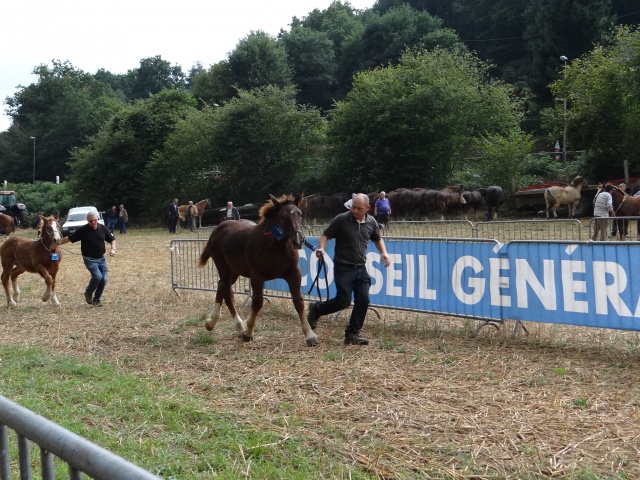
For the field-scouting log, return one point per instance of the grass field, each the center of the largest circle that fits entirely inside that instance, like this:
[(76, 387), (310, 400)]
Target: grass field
[(141, 377)]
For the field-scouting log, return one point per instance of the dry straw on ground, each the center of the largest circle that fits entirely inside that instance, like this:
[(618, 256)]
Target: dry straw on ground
[(424, 398)]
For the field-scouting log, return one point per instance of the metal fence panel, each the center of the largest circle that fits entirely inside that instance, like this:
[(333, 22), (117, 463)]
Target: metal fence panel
[(433, 229), (506, 231), (633, 227), (80, 454)]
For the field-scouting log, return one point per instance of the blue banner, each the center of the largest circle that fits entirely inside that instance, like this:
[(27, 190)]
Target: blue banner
[(583, 283)]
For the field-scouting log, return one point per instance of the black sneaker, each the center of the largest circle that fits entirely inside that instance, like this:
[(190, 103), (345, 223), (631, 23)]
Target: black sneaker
[(354, 339), (96, 303), (312, 315), (88, 298)]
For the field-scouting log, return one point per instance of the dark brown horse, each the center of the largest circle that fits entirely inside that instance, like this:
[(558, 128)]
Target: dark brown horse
[(6, 223), (41, 256), (624, 206), (261, 252)]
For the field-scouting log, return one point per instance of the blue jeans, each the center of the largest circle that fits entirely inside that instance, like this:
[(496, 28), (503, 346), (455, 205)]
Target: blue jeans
[(99, 275), (349, 281)]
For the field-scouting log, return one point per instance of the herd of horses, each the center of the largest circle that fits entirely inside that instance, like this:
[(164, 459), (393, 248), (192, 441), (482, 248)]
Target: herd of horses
[(269, 249), (416, 203)]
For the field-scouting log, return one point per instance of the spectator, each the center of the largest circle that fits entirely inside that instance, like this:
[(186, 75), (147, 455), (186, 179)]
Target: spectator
[(382, 208), (232, 212), (112, 218), (352, 231), (602, 209), (173, 216), (92, 237), (192, 214), (123, 218)]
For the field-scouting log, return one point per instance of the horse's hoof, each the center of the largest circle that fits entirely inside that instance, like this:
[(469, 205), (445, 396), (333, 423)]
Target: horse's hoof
[(246, 338), (312, 342), (12, 304), (207, 326)]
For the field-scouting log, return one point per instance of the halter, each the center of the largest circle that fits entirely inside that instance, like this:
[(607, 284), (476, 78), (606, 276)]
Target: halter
[(54, 243), (624, 197)]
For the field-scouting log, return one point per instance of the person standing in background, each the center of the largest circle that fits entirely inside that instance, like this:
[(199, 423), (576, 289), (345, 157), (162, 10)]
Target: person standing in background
[(382, 208), (192, 214), (232, 212), (173, 216), (123, 217), (112, 218)]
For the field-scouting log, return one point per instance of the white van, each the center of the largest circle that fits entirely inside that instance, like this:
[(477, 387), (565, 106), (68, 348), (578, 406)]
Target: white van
[(77, 217)]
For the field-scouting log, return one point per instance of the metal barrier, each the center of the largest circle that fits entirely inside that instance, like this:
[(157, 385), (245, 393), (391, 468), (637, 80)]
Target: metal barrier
[(508, 230), (81, 455), (615, 222), (205, 232), (436, 228)]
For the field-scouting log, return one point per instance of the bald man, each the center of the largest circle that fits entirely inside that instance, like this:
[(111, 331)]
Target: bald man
[(352, 231)]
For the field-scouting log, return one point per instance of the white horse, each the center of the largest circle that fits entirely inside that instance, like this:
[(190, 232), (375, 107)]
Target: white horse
[(569, 195)]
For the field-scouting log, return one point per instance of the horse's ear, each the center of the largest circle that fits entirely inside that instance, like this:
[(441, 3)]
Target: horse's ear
[(57, 216), (299, 199), (274, 200)]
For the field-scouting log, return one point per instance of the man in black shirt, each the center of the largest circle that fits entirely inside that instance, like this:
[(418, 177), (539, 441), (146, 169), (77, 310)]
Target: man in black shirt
[(92, 237), (352, 231)]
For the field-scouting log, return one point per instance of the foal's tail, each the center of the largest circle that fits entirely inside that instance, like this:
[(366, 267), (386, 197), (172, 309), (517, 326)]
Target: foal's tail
[(204, 256)]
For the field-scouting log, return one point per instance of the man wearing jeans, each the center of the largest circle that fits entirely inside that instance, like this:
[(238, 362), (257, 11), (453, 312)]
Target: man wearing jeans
[(92, 238), (352, 231)]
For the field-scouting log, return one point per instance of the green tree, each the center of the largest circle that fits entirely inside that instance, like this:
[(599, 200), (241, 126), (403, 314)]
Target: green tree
[(258, 61), (154, 75), (61, 110), (562, 27), (258, 143), (604, 110), (502, 159), (311, 56), (213, 86), (407, 125), (386, 36), (110, 169)]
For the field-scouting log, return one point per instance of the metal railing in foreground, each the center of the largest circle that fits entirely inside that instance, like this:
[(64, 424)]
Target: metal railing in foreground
[(81, 455)]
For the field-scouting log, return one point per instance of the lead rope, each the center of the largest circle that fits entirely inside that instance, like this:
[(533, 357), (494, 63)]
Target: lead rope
[(322, 269)]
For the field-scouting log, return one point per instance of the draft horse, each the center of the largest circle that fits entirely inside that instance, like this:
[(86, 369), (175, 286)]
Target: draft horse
[(624, 206), (569, 195), (6, 222), (263, 251), (202, 205), (41, 256)]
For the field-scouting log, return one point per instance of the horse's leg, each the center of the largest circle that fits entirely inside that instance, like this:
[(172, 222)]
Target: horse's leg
[(6, 275), (298, 302), (15, 273), (257, 300), (48, 280)]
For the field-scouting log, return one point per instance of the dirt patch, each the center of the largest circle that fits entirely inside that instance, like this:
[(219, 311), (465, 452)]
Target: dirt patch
[(423, 399)]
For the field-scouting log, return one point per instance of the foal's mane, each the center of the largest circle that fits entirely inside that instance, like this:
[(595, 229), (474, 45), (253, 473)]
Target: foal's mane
[(269, 206), (577, 181)]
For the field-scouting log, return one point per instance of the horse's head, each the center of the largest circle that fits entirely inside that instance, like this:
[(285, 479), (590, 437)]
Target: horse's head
[(289, 217), (50, 232)]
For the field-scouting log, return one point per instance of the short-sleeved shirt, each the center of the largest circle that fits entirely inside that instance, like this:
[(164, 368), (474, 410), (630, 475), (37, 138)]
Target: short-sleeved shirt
[(352, 237), (383, 205), (92, 241), (604, 202)]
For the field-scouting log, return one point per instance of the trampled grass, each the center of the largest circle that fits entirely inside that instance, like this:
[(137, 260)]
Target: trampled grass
[(144, 379)]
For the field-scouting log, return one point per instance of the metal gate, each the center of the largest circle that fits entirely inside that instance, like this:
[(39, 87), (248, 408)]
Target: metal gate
[(81, 455)]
